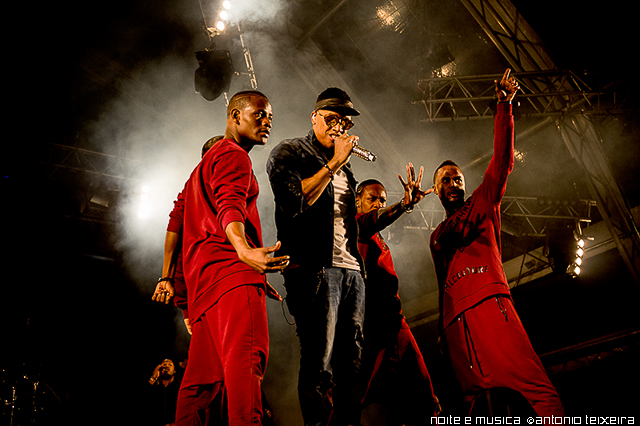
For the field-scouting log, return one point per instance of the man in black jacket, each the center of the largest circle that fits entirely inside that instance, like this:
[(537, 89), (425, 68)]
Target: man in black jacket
[(314, 192)]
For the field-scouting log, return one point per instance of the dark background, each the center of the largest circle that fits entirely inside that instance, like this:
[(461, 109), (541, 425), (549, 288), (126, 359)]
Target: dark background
[(118, 80)]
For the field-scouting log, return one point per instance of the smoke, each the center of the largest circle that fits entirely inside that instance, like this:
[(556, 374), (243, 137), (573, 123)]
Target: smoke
[(166, 136), (161, 121), (257, 12)]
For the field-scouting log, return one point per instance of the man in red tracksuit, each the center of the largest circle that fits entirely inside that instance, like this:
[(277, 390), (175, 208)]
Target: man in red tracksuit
[(480, 329), (224, 265), (395, 373), (172, 261)]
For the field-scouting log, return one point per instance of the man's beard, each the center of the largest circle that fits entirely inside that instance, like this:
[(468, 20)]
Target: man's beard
[(453, 205)]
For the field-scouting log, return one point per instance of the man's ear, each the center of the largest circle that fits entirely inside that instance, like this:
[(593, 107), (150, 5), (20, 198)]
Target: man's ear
[(313, 118), (435, 190), (235, 115)]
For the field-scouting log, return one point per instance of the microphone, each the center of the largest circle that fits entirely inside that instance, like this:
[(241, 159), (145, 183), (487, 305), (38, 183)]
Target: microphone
[(363, 153)]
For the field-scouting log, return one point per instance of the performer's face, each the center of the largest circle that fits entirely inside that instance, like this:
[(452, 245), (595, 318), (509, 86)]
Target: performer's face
[(255, 120), (168, 367), (328, 125), (373, 197), (449, 187)]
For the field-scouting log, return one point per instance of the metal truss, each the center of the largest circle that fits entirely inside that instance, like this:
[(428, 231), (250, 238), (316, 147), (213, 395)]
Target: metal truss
[(91, 163), (209, 9), (521, 216), (561, 98), (103, 174), (531, 216), (583, 138), (550, 93)]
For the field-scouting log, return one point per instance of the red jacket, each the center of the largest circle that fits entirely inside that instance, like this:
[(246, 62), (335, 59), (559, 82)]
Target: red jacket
[(221, 189), (466, 246), (176, 222), (382, 299)]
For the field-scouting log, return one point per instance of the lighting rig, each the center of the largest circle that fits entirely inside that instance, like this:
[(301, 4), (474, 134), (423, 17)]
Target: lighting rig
[(215, 65), (573, 270)]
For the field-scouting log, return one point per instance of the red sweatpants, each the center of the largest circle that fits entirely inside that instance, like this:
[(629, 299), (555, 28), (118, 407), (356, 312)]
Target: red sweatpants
[(399, 375), (489, 348), (227, 359)]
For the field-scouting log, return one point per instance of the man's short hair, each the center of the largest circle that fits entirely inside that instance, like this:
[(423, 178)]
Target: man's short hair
[(241, 99), (444, 163), (208, 144), (362, 185)]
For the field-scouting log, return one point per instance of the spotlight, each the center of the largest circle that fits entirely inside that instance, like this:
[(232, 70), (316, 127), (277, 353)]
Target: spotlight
[(144, 209), (213, 76), (220, 26), (439, 56), (573, 270), (226, 4)]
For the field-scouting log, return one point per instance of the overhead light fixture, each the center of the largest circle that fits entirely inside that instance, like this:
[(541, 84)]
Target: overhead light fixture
[(574, 268), (214, 73), (441, 61)]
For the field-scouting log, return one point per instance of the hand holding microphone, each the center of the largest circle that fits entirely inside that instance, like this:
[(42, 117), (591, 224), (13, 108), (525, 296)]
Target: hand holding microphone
[(360, 151), (363, 153), (158, 372), (345, 145)]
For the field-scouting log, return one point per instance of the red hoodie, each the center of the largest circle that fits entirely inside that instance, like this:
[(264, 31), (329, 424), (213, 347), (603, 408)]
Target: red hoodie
[(176, 222), (466, 246), (221, 189)]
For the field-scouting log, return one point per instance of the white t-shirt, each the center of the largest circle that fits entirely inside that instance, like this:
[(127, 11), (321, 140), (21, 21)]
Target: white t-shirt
[(342, 194)]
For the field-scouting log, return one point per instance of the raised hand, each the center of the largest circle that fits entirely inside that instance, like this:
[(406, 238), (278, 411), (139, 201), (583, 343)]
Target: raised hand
[(412, 192), (507, 87)]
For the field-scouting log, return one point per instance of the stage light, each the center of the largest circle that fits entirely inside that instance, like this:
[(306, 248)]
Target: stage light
[(226, 4), (213, 76), (573, 270), (224, 15), (220, 26), (439, 60), (565, 246), (144, 208)]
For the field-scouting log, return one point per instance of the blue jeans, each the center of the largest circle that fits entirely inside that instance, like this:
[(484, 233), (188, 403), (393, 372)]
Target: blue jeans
[(328, 307)]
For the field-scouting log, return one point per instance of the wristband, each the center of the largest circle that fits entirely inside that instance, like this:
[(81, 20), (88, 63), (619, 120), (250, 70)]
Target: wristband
[(406, 209), (171, 280), (330, 171)]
